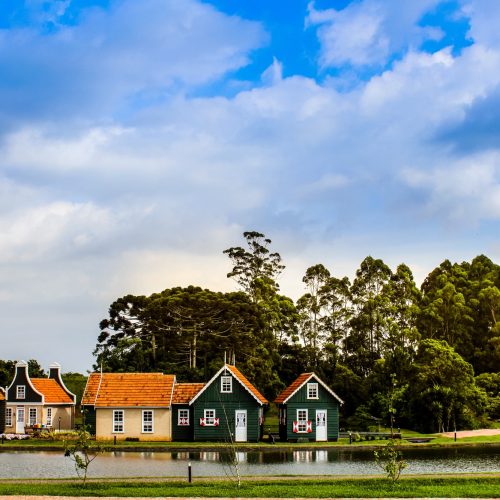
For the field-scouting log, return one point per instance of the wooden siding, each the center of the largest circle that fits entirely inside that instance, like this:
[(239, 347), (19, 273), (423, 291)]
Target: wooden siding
[(299, 401), (182, 432), (89, 418), (225, 405)]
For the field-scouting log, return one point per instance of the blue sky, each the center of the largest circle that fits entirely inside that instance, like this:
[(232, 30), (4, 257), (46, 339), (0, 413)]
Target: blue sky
[(140, 139)]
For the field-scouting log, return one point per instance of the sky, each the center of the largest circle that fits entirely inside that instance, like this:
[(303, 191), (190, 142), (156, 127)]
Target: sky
[(138, 140)]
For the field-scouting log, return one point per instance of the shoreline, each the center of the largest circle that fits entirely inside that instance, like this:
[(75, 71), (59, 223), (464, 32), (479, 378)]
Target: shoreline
[(290, 447)]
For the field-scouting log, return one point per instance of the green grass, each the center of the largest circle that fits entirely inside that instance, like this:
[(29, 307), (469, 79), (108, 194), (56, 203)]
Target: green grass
[(353, 488)]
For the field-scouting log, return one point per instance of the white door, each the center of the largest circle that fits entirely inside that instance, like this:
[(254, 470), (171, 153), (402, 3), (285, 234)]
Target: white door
[(321, 429), (240, 433), (20, 420)]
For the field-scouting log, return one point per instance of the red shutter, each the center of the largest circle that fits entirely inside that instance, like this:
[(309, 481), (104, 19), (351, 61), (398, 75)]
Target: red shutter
[(309, 426), (295, 426), (216, 422), (202, 422)]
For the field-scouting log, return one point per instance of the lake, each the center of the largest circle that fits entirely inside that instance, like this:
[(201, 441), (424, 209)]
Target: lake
[(253, 463)]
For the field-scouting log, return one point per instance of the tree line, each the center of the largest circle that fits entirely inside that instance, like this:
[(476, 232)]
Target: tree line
[(427, 358)]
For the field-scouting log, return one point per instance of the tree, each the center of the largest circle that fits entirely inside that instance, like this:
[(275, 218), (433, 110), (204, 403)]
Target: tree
[(367, 326), (255, 269), (83, 451), (444, 393)]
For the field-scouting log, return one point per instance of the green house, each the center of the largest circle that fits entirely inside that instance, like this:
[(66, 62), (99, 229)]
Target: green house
[(308, 410), (228, 408)]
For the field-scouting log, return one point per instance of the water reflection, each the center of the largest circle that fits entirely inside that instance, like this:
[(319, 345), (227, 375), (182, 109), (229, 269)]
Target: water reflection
[(216, 463)]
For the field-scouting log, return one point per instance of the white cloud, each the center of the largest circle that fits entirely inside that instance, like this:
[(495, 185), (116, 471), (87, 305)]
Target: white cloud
[(368, 32)]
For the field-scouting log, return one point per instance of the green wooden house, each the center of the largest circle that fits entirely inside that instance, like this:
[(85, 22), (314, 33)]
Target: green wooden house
[(308, 410), (228, 408)]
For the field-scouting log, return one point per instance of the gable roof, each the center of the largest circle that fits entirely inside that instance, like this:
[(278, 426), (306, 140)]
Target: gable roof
[(52, 392), (184, 393), (240, 378), (299, 382), (129, 389)]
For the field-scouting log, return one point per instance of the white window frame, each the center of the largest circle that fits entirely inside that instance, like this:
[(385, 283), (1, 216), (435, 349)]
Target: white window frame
[(183, 413), (20, 392), (49, 417), (32, 416), (301, 422), (226, 384), (148, 425), (312, 390), (8, 417), (118, 424), (209, 417)]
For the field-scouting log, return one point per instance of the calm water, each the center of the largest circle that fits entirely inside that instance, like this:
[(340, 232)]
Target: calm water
[(318, 462)]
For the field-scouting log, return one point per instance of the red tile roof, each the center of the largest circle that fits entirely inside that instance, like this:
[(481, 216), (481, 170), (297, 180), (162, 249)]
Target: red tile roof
[(247, 384), (129, 389), (294, 386), (184, 393), (52, 391)]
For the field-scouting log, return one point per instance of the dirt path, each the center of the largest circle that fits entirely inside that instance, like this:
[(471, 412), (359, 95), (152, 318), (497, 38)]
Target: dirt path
[(478, 432)]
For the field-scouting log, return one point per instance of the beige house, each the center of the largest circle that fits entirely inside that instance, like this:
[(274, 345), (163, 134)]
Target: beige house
[(135, 406), (38, 402)]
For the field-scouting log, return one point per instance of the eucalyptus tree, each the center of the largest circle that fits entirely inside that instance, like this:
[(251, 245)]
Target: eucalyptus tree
[(368, 323)]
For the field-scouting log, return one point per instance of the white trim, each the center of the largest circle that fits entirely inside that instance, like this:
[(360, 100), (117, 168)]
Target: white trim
[(8, 410), (29, 416), (114, 422), (18, 391), (60, 380), (152, 422), (299, 420), (310, 385), (213, 418), (225, 367), (20, 364), (224, 381), (307, 380), (172, 393), (179, 417)]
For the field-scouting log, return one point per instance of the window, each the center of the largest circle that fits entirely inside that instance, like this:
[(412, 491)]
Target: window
[(21, 392), (209, 417), (226, 384), (301, 420), (49, 417), (118, 420), (8, 417), (183, 417), (312, 391), (32, 416), (147, 420)]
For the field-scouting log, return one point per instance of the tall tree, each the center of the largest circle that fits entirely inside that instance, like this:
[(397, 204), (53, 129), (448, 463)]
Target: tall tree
[(255, 268)]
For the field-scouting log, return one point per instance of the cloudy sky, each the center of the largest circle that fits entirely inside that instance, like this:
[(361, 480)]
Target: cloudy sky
[(139, 139)]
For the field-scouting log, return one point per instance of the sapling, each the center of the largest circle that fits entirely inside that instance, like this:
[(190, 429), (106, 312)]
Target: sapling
[(83, 451), (390, 460)]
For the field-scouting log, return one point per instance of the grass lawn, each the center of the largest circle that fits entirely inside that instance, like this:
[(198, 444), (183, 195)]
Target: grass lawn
[(486, 486)]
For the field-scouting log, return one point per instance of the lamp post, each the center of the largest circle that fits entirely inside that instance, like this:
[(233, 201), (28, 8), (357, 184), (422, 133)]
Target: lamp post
[(59, 424)]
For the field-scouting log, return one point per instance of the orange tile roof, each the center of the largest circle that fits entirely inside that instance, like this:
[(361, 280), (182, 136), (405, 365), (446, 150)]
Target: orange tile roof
[(2, 395), (129, 389), (295, 385), (247, 384), (51, 390), (184, 393), (91, 387)]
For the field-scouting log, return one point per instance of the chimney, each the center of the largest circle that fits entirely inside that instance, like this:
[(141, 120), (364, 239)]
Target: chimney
[(55, 371), (21, 367)]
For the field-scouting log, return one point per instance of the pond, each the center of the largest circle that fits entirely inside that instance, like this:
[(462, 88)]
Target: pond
[(252, 463)]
